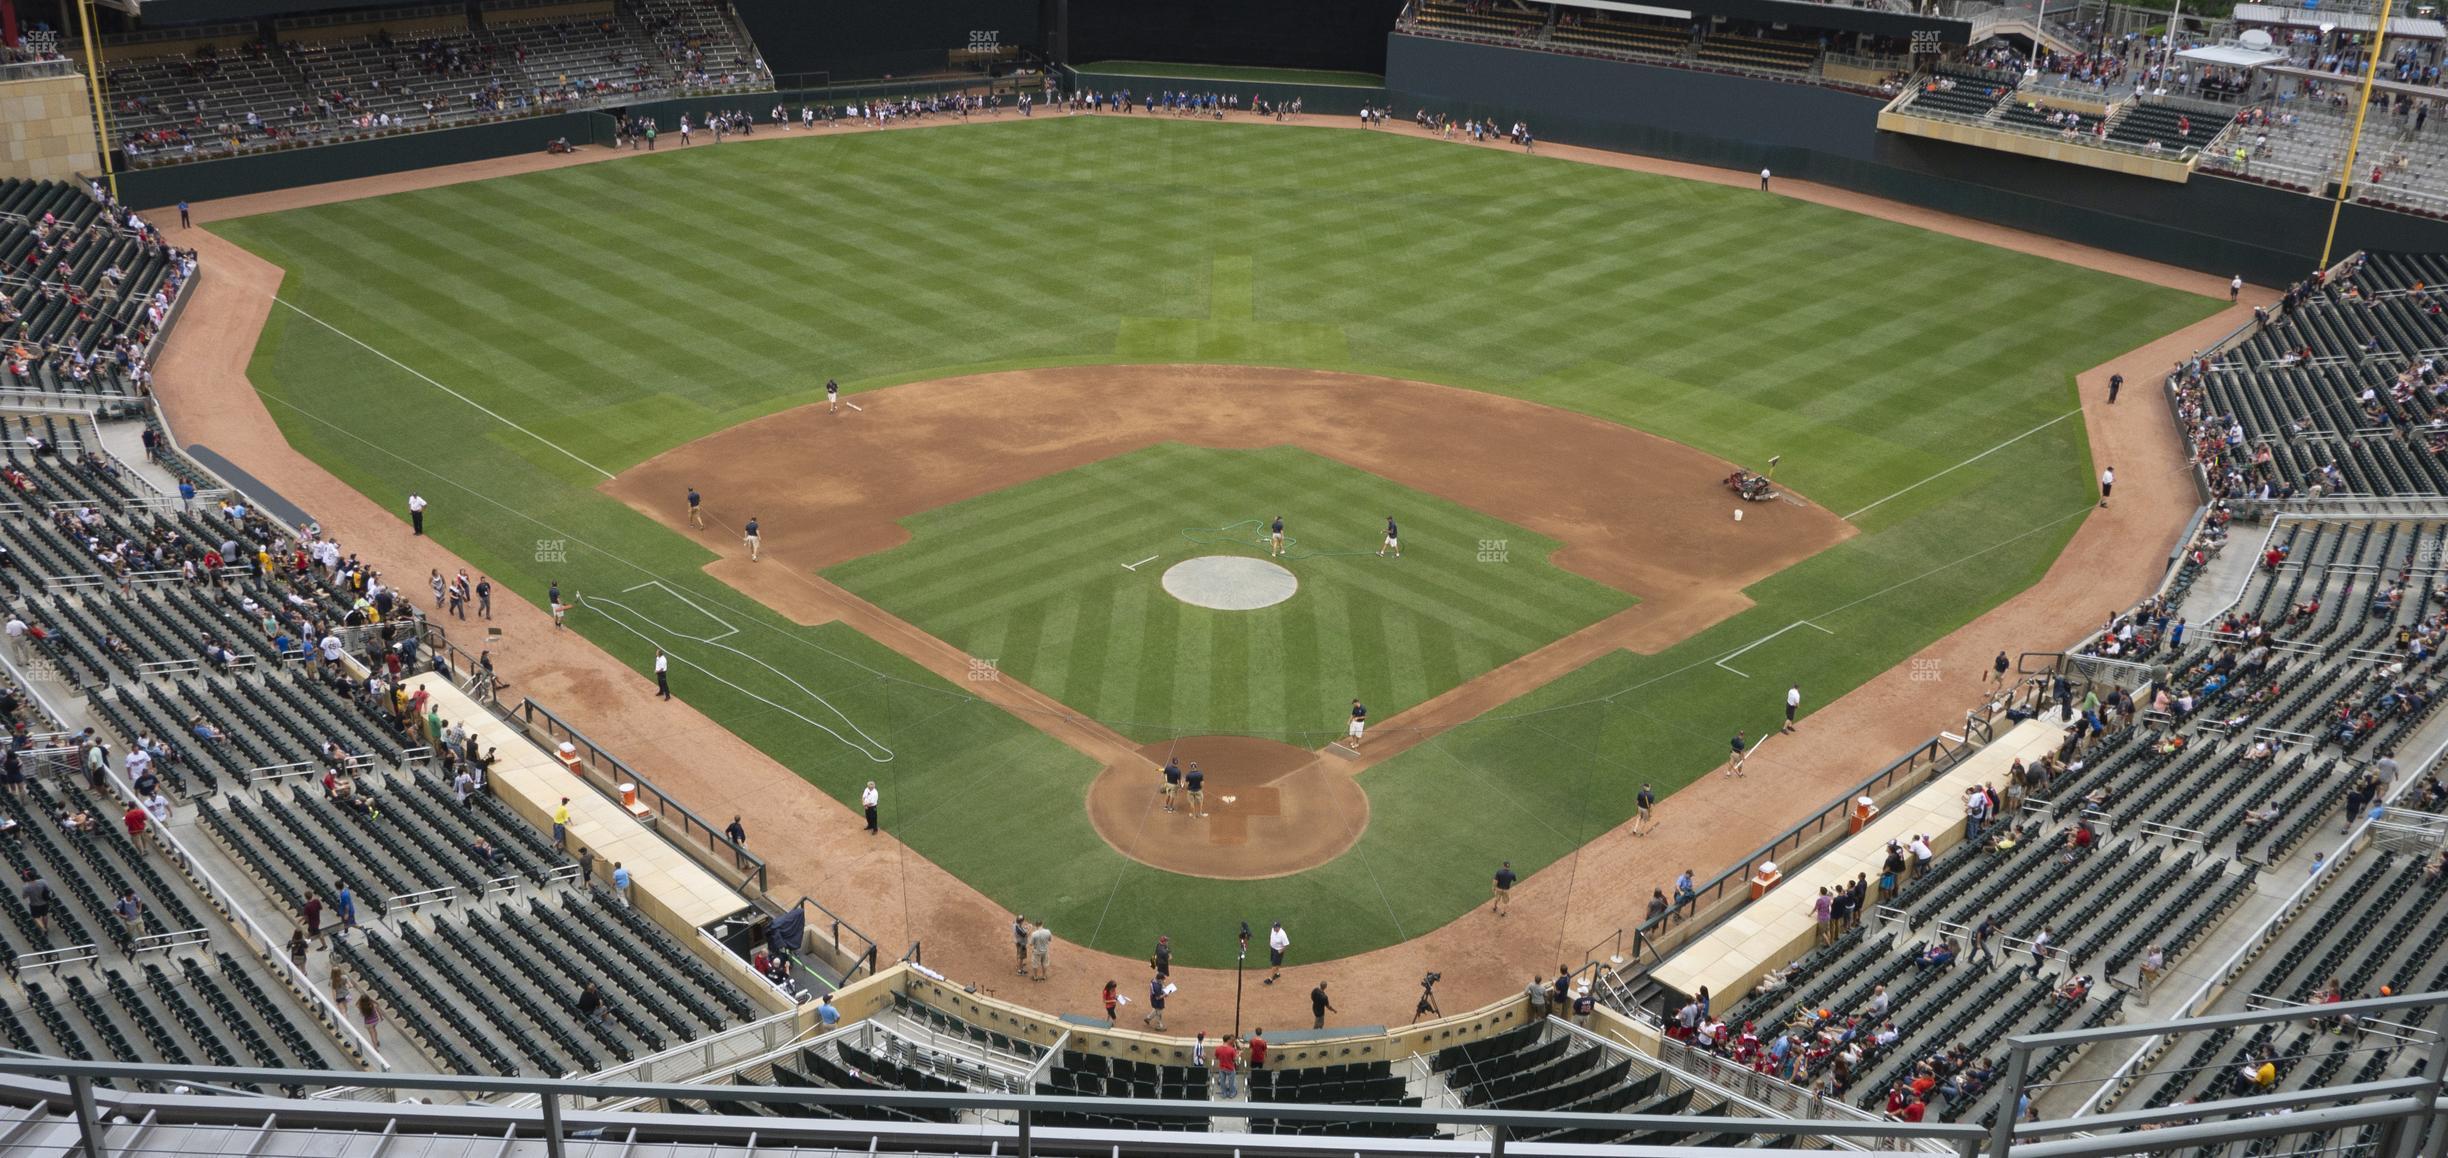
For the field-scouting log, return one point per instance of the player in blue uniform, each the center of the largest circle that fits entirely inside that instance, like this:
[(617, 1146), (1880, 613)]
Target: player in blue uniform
[(1172, 782), (1393, 540), (1276, 546)]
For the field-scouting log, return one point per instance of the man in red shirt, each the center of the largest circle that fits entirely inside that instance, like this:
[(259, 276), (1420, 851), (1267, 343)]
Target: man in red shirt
[(136, 819), (1257, 1050), (1228, 1065)]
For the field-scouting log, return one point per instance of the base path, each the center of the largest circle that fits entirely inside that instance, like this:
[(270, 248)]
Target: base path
[(817, 846), (1271, 809)]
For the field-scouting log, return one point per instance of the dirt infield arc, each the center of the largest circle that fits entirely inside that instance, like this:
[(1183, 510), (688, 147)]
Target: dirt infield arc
[(1635, 511), (1270, 809)]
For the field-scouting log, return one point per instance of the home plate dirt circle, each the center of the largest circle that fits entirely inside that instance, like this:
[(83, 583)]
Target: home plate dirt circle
[(1229, 582), (1271, 809)]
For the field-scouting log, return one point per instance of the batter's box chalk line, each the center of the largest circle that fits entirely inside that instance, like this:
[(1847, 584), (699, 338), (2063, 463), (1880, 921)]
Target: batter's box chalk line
[(1721, 660), (628, 619), (727, 629)]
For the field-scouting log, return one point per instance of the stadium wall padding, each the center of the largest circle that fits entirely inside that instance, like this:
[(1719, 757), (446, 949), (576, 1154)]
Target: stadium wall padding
[(371, 157), (1338, 34), (374, 156), (2219, 225), (1315, 98)]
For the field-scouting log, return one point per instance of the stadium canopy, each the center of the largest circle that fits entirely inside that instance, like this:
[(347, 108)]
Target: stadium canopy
[(2233, 56)]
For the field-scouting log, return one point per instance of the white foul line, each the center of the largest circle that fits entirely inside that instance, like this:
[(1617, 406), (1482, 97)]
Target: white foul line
[(445, 389), (1969, 461), (1721, 660), (1141, 563)]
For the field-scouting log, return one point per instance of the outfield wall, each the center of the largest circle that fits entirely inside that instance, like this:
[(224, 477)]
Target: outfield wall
[(2216, 224), (1339, 99), (401, 152)]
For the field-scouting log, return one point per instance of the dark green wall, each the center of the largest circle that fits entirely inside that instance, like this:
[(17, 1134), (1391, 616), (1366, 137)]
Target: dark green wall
[(2215, 224), (1314, 98), (317, 164), (868, 39)]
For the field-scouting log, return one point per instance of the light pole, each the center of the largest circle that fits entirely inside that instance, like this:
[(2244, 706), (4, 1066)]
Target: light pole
[(1239, 960)]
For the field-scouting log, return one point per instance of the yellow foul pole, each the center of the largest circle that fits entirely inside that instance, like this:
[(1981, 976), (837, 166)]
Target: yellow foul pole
[(2354, 143), (93, 86)]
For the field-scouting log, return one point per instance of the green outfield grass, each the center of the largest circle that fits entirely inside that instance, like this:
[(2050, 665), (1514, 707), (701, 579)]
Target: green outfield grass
[(1033, 577), (617, 310), (1231, 73)]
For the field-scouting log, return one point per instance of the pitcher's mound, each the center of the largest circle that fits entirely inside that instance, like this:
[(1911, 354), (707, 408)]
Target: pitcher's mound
[(1271, 809), (1229, 582)]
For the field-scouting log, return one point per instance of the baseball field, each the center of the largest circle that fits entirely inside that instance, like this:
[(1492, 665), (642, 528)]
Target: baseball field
[(1076, 351)]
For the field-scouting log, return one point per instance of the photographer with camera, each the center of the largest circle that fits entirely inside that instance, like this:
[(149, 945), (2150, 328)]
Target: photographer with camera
[(1427, 1006)]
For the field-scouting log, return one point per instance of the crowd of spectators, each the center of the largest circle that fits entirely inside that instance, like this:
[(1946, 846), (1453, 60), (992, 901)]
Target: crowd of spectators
[(53, 272)]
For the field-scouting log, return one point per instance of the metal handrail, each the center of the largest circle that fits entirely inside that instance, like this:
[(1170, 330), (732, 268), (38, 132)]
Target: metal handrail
[(861, 961), (666, 807), (1929, 760), (82, 1075)]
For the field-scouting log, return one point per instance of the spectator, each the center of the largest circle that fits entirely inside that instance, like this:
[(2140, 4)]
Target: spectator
[(620, 882), (1319, 1007), (591, 1005), (1228, 1068), (1041, 942)]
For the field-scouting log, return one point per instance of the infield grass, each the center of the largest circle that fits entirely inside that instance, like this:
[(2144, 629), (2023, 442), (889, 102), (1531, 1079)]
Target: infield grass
[(617, 310), (1034, 577)]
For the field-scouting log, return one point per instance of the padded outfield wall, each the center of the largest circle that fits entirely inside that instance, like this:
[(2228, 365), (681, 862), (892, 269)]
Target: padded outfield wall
[(1316, 99), (2216, 224), (403, 151)]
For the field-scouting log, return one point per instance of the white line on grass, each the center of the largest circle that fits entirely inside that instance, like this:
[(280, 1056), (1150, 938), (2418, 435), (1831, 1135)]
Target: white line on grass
[(1721, 660), (728, 629), (598, 603), (1967, 462), (445, 389), (1141, 563)]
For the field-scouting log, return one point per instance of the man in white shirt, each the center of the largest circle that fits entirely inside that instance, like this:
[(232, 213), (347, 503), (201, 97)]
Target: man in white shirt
[(331, 649), (1277, 942), (17, 635), (416, 512), (662, 674), (2107, 484), (1793, 704), (1763, 179), (868, 800)]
